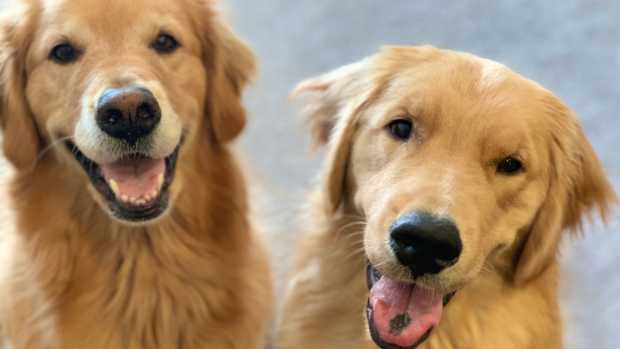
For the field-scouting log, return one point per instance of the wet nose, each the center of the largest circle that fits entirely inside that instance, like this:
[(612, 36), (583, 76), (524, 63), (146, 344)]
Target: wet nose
[(128, 113), (425, 243)]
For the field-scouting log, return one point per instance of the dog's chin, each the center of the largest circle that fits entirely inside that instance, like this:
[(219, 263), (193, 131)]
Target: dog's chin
[(401, 315), (135, 189)]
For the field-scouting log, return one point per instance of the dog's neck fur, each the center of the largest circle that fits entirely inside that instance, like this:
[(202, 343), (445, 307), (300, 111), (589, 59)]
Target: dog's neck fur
[(155, 286)]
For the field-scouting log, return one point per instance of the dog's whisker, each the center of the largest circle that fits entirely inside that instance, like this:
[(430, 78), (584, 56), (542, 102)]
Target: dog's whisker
[(50, 146), (43, 152)]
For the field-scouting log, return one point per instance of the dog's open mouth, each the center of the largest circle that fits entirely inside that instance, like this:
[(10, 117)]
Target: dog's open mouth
[(135, 187), (401, 315)]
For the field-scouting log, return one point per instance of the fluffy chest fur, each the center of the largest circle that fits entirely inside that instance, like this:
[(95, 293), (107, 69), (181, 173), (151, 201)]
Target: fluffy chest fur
[(157, 291), (190, 281)]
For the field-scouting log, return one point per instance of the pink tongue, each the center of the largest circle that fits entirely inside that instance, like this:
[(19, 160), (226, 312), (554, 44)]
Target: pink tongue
[(403, 313), (136, 178)]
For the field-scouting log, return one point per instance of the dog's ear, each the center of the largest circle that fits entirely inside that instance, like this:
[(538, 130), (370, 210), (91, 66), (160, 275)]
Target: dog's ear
[(577, 185), (230, 66), (334, 103), (20, 138)]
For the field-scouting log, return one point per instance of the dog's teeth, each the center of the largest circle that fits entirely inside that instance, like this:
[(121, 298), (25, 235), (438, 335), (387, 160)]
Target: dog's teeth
[(125, 198), (114, 186), (140, 202), (153, 194)]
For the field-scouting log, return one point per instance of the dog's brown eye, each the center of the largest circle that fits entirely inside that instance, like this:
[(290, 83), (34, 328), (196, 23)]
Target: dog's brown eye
[(165, 43), (64, 54), (401, 129), (509, 166)]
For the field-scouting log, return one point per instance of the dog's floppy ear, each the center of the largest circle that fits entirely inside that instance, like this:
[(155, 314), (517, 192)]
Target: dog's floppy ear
[(230, 66), (334, 103), (577, 185), (20, 138)]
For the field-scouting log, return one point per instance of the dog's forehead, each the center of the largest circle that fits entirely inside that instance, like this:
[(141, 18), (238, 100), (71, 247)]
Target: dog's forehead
[(110, 16), (432, 67), (466, 74), (459, 84)]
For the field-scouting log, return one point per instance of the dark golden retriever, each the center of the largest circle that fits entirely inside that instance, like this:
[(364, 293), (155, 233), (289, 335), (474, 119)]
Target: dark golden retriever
[(132, 217), (449, 181)]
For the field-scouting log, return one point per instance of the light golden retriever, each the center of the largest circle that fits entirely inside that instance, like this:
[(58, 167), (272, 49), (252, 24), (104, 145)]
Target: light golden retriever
[(132, 216), (449, 181)]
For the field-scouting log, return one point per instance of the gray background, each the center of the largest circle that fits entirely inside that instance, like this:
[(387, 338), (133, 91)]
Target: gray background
[(571, 46)]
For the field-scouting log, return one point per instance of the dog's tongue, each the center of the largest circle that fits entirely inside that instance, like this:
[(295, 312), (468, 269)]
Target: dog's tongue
[(135, 178), (403, 313)]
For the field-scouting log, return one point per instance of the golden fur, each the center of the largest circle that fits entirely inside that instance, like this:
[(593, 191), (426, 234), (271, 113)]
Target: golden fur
[(468, 113), (198, 277)]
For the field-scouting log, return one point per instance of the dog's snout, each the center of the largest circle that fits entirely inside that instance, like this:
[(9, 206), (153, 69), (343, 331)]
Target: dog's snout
[(425, 243), (128, 113)]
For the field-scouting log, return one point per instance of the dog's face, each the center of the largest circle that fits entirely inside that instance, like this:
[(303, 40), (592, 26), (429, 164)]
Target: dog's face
[(453, 161), (118, 89)]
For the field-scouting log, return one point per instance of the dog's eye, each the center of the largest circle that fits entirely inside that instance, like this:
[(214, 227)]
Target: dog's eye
[(165, 43), (401, 129), (509, 166), (64, 54)]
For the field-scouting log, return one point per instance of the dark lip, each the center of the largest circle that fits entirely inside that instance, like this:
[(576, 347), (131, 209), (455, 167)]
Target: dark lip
[(118, 209), (372, 276)]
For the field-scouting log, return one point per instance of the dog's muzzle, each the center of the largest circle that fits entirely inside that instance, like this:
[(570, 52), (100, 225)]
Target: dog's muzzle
[(129, 150)]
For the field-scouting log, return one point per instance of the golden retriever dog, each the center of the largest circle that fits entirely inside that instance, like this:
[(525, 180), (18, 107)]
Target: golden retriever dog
[(132, 215), (449, 182)]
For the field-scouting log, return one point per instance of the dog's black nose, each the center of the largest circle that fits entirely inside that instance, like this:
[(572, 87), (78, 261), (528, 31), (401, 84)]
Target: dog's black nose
[(128, 113), (426, 244)]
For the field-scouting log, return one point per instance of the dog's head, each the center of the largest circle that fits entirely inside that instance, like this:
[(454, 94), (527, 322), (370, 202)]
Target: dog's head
[(453, 161), (118, 88)]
